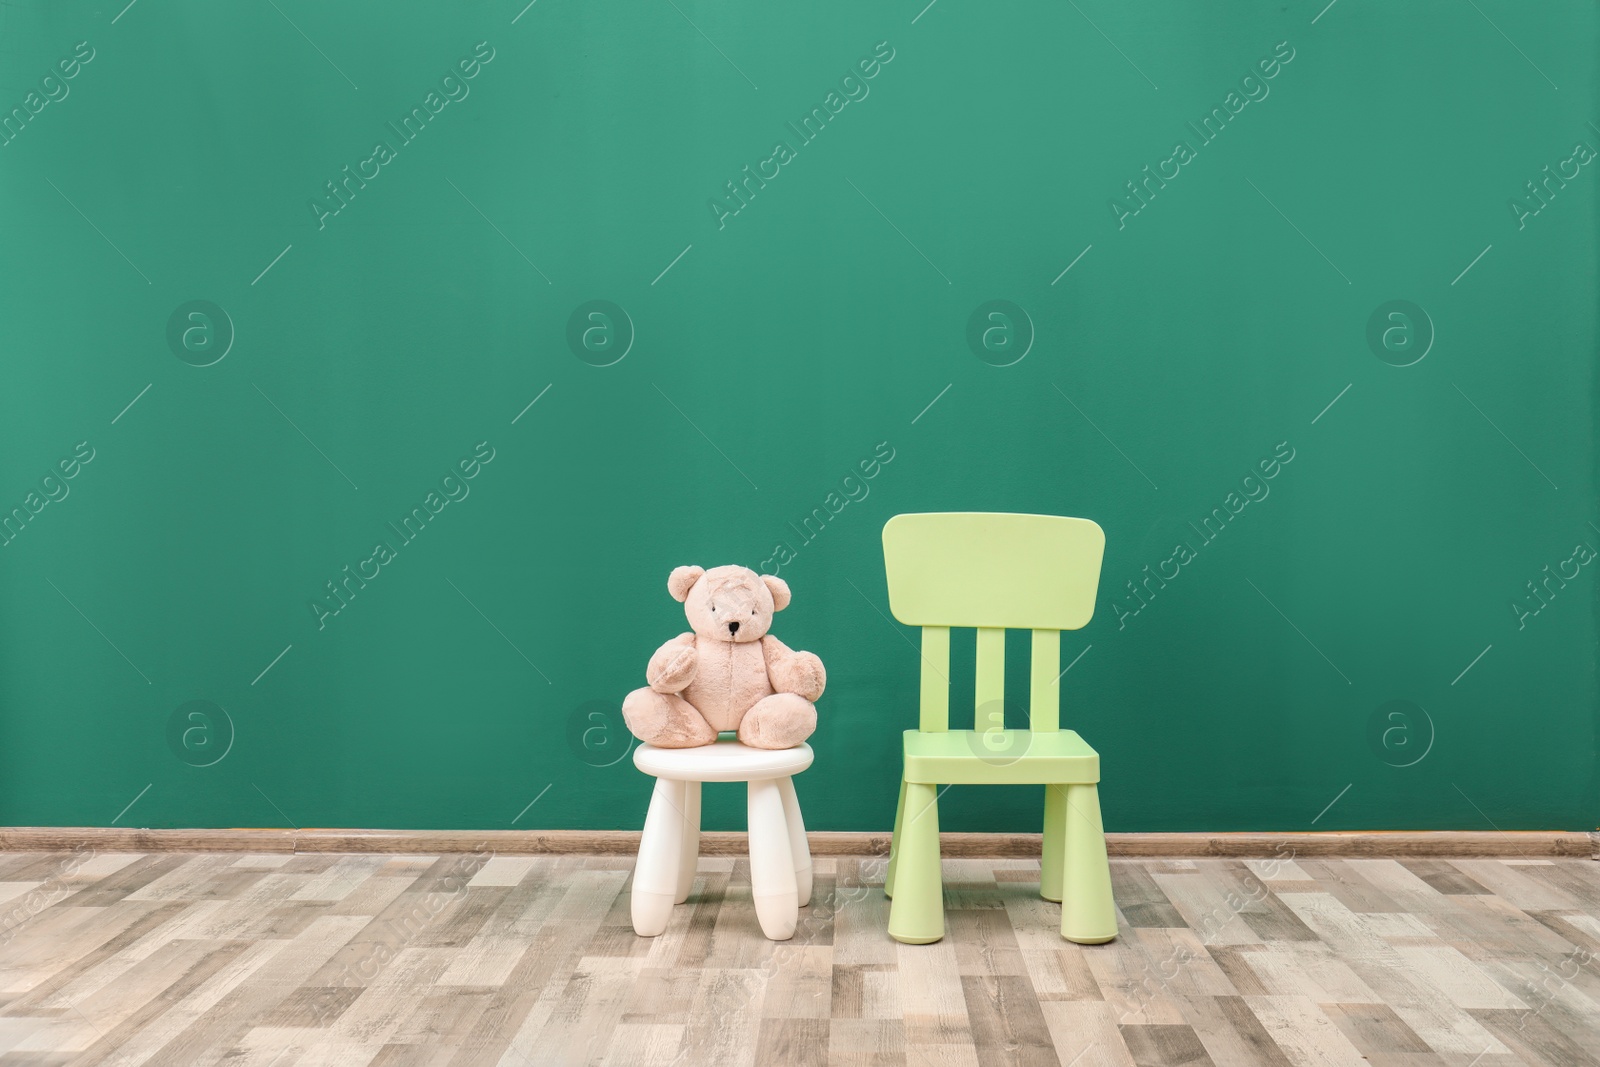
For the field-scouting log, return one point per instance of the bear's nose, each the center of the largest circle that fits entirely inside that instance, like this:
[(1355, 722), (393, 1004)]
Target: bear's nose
[(733, 627)]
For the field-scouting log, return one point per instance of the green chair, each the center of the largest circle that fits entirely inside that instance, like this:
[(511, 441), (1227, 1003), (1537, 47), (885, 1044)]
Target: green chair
[(993, 572)]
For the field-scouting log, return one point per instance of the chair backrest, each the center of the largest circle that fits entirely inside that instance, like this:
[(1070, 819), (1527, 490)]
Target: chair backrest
[(992, 571)]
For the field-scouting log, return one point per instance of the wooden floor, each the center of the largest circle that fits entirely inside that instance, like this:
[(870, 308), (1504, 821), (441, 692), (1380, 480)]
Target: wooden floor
[(285, 960)]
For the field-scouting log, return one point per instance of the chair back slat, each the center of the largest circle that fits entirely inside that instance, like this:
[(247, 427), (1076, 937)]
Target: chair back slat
[(935, 679), (1044, 690), (989, 688)]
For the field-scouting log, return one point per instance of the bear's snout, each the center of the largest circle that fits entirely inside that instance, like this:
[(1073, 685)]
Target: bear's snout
[(733, 628)]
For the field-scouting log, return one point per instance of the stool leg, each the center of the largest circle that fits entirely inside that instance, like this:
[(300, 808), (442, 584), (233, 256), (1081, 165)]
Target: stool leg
[(916, 917), (1055, 841), (797, 840), (655, 873), (894, 841), (772, 881), (1088, 914), (691, 840)]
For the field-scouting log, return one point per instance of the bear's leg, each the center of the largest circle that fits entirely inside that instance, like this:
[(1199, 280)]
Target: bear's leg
[(665, 720), (782, 720)]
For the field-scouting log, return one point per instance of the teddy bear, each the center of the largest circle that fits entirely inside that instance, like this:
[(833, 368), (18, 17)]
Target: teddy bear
[(728, 672)]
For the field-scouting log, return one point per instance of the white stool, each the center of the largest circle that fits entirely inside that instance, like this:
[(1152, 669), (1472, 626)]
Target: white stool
[(780, 860)]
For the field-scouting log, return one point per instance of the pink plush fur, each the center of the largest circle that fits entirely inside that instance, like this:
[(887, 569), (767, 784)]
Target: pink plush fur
[(728, 673)]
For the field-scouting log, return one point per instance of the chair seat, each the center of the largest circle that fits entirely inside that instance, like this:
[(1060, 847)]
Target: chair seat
[(1000, 757), (721, 761)]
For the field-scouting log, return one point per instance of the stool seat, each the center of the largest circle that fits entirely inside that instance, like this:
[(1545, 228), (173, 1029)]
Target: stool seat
[(780, 859), (721, 761)]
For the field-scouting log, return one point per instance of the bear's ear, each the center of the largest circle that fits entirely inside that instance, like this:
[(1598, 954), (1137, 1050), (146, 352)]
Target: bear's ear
[(779, 589), (681, 580)]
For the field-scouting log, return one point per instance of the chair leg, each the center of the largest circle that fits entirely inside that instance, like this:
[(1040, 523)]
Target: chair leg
[(894, 841), (1088, 914), (916, 917), (1055, 840), (797, 840), (655, 873), (772, 881), (691, 841)]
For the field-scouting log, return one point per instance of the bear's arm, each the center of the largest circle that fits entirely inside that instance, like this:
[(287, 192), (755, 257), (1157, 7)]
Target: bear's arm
[(673, 666), (789, 671)]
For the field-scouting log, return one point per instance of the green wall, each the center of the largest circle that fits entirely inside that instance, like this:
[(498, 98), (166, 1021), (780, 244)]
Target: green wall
[(368, 350)]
